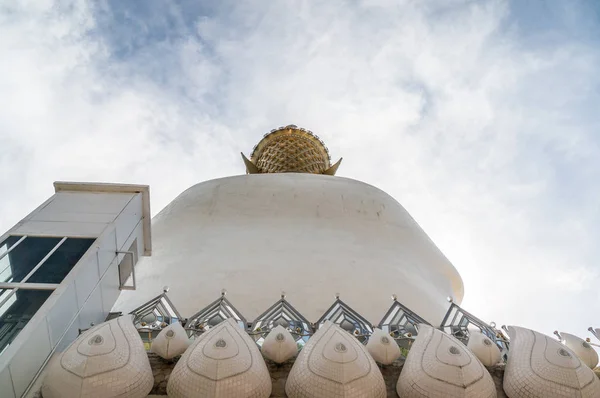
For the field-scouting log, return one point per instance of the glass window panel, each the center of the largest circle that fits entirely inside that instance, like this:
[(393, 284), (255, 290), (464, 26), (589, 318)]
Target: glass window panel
[(4, 293), (170, 310), (19, 262), (5, 270), (8, 243), (19, 310), (58, 265)]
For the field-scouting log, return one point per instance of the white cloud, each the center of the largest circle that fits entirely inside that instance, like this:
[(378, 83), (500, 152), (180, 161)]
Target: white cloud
[(487, 136)]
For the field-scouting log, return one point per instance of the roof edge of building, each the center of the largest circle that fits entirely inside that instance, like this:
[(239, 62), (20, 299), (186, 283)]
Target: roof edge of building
[(102, 187)]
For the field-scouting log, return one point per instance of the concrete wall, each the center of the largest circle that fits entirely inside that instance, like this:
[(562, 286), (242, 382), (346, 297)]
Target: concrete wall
[(89, 291), (311, 236)]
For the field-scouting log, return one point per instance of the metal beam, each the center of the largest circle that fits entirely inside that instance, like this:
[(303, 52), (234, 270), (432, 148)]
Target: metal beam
[(29, 286)]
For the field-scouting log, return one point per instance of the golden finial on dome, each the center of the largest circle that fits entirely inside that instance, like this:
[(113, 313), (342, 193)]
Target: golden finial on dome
[(290, 149)]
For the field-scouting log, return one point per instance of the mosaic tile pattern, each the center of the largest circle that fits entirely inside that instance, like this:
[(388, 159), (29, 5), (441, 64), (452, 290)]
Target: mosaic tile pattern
[(106, 361), (440, 366), (222, 363), (540, 367), (382, 347), (581, 348), (334, 364), (171, 341), (484, 349), (279, 345)]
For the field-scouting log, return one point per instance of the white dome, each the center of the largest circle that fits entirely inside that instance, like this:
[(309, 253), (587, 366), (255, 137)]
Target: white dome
[(311, 236), (484, 349), (279, 345), (439, 365), (334, 364), (383, 348), (224, 362), (581, 348), (171, 341)]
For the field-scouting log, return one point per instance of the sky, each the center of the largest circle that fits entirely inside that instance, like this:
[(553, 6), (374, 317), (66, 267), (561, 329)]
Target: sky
[(480, 117)]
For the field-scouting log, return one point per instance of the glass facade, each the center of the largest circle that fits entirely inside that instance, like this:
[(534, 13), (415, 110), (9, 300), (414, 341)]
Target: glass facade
[(60, 263), (23, 257), (27, 260), (5, 294), (17, 312)]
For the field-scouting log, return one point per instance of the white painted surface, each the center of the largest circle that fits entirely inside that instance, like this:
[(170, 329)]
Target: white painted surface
[(110, 287), (60, 228), (135, 232), (6, 384), (581, 348), (86, 204), (79, 214), (484, 349), (171, 341), (29, 358), (102, 218), (142, 191), (128, 219), (86, 278), (279, 345), (62, 313), (309, 235), (383, 348), (106, 251), (92, 312)]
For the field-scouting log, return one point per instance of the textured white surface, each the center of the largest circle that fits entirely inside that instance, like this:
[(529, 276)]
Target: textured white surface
[(223, 363), (279, 345), (440, 366), (309, 235), (539, 366), (106, 361), (171, 341), (75, 214), (581, 348), (484, 348), (334, 364), (382, 347)]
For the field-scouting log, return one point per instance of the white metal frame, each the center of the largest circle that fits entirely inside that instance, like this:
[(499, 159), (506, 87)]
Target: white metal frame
[(17, 243), (122, 285), (21, 284)]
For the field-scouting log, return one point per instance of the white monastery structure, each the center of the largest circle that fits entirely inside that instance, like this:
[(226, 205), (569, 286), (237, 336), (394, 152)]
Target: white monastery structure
[(286, 265)]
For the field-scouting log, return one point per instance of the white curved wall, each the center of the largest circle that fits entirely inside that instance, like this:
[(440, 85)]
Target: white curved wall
[(309, 235)]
